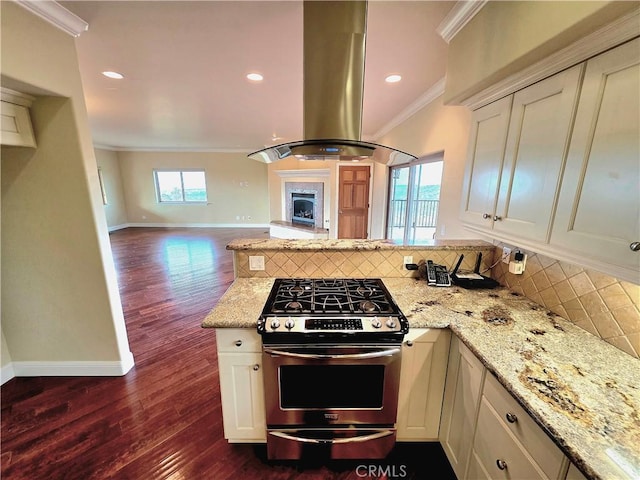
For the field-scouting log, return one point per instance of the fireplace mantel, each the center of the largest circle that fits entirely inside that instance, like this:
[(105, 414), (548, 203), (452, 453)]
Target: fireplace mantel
[(302, 173)]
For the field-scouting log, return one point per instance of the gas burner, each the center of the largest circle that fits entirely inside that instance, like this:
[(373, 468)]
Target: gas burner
[(295, 290), (364, 291), (367, 306), (296, 306)]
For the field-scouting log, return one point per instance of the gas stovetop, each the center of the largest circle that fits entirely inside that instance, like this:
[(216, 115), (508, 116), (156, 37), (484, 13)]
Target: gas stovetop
[(313, 309)]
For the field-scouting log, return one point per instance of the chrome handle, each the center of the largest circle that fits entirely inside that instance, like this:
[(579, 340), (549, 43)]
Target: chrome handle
[(361, 438), (380, 353), (409, 343), (238, 343), (256, 367), (511, 417), (486, 215), (497, 218), (635, 246), (502, 465)]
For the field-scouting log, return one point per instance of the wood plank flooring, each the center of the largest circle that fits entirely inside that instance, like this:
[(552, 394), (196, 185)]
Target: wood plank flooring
[(163, 419)]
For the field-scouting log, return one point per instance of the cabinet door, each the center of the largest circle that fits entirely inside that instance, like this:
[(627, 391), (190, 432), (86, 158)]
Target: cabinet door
[(242, 395), (15, 126), (598, 211), (539, 129), (487, 139), (465, 377), (424, 366)]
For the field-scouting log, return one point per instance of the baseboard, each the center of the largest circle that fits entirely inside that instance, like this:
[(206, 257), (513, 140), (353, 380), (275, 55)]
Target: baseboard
[(118, 227), (199, 225), (6, 373), (68, 369)]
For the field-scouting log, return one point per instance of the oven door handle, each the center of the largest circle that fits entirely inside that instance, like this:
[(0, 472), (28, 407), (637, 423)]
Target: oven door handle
[(360, 438), (380, 353)]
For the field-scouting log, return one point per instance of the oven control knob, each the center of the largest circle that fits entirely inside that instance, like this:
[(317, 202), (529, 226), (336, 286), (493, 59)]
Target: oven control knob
[(376, 323), (289, 323), (275, 324), (391, 323)]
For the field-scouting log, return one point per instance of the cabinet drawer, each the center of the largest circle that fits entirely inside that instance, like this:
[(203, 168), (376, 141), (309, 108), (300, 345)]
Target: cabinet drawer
[(494, 444), (238, 340), (514, 418)]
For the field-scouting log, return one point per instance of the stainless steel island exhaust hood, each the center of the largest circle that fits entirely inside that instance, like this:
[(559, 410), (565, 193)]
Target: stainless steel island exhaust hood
[(334, 54)]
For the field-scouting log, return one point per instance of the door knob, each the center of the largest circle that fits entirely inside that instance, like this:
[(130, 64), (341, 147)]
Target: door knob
[(486, 215), (238, 343), (502, 465), (256, 367), (511, 417), (635, 246), (496, 218)]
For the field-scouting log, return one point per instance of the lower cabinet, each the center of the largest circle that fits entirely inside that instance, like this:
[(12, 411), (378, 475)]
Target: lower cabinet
[(241, 387), (462, 394), (422, 378)]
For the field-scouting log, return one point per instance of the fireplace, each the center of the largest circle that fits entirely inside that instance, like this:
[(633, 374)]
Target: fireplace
[(303, 208)]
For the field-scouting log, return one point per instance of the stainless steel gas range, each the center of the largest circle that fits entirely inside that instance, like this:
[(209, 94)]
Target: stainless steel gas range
[(331, 360)]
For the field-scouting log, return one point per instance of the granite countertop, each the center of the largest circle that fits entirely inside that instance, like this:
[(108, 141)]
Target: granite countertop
[(583, 391), (350, 244)]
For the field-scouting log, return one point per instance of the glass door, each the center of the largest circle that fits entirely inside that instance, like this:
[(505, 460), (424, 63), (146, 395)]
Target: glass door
[(414, 198)]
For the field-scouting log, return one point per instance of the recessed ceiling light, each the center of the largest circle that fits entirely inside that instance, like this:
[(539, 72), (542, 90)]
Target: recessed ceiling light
[(255, 77), (116, 75), (393, 78)]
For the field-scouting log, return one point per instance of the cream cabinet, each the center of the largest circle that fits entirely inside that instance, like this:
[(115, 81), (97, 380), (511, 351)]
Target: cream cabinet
[(516, 154), (598, 210), (241, 385), (463, 389), (15, 125), (422, 378)]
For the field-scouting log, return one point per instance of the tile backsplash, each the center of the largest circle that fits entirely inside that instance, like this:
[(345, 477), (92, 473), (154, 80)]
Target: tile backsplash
[(598, 303)]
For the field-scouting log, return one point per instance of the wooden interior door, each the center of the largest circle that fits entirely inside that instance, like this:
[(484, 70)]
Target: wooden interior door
[(353, 202)]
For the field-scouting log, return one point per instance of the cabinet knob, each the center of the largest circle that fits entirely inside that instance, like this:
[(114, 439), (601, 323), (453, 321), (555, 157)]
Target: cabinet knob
[(635, 246), (409, 343), (256, 367), (497, 218), (511, 417), (238, 343), (502, 465), (486, 215)]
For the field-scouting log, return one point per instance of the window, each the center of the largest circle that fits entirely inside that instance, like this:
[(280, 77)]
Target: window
[(414, 198), (103, 191), (180, 186)]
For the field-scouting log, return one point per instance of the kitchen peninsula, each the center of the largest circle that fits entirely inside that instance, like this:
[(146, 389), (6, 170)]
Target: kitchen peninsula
[(580, 390)]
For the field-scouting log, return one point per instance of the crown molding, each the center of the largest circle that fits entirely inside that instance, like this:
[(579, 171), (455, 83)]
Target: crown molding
[(422, 101), (113, 148), (461, 13), (56, 15), (619, 31)]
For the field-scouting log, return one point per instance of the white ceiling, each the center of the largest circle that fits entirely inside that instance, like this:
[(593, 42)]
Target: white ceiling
[(185, 65)]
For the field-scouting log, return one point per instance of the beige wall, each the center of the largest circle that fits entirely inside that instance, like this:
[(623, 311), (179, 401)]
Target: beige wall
[(505, 37), (116, 209), (236, 187), (60, 300), (439, 128)]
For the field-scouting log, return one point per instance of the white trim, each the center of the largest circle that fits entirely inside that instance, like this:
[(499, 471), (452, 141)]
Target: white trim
[(244, 151), (198, 225), (461, 13), (15, 97), (118, 227), (73, 368), (56, 15), (6, 373), (619, 31), (310, 172), (436, 90)]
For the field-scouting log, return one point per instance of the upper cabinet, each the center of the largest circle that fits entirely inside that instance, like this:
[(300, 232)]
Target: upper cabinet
[(555, 166), (16, 129), (599, 205)]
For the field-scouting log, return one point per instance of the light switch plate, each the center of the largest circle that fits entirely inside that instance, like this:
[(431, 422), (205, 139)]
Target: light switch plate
[(408, 259), (256, 262), (506, 255)]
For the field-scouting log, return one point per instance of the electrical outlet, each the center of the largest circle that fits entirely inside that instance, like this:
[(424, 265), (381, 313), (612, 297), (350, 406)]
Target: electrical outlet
[(506, 255), (256, 262), (408, 259)]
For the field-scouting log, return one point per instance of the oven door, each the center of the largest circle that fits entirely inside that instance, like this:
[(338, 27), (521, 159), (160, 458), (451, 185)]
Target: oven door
[(313, 385)]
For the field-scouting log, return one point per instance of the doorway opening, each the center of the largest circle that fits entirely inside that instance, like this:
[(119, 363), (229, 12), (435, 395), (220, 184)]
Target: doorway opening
[(414, 199)]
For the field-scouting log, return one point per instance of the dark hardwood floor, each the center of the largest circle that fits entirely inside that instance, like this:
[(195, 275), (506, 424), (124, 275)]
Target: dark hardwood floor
[(163, 419)]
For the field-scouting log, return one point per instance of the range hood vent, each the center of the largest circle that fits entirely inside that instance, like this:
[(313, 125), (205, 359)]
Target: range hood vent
[(334, 55)]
